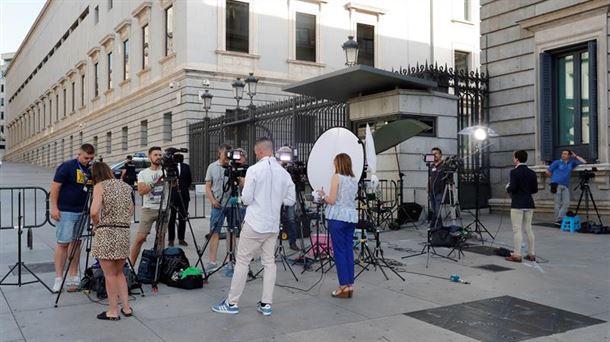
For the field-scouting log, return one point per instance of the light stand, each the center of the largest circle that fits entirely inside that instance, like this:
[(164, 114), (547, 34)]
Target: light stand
[(480, 134)]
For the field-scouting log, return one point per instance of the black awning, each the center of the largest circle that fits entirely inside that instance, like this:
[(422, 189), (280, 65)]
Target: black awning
[(355, 81)]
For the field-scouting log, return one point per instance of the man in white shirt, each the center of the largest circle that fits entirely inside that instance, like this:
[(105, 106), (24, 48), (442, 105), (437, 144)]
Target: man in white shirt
[(266, 188)]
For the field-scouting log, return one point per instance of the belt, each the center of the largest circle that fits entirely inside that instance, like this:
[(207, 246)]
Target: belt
[(109, 225)]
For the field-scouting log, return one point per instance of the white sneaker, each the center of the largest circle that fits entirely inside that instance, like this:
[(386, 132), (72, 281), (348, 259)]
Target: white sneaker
[(57, 285)]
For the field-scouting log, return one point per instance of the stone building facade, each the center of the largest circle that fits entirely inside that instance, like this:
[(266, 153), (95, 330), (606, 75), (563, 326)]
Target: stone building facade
[(548, 66), (100, 71)]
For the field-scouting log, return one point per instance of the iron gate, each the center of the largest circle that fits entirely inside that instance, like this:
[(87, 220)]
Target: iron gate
[(471, 88), (297, 122)]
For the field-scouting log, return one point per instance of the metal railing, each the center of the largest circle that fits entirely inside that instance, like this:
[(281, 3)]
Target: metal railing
[(36, 207)]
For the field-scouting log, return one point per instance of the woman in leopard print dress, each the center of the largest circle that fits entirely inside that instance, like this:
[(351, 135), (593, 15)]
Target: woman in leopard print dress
[(111, 212)]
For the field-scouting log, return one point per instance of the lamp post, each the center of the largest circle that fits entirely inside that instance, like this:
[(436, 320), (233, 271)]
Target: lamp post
[(351, 51), (206, 101), (251, 83), (238, 90)]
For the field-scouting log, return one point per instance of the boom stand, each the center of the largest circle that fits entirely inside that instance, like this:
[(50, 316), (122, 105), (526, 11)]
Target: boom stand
[(20, 264)]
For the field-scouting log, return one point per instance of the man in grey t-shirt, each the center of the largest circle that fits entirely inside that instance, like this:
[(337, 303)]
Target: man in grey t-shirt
[(215, 182), (150, 186)]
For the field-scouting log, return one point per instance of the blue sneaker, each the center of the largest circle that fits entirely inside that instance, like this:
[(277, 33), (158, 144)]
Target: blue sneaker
[(226, 308), (264, 309), (229, 271)]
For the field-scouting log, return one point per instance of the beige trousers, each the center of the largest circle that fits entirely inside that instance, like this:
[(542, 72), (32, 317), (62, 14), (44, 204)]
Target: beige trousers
[(250, 245), (522, 218)]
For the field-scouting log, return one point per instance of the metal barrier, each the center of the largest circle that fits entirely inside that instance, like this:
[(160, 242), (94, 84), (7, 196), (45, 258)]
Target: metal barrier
[(35, 207)]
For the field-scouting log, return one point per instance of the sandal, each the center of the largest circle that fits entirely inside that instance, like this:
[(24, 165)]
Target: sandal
[(342, 292), (513, 258), (530, 257), (127, 314), (104, 316)]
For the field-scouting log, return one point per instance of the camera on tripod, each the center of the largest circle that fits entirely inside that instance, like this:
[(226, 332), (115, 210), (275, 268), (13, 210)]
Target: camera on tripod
[(296, 168), (586, 175), (169, 165), (451, 165), (234, 169)]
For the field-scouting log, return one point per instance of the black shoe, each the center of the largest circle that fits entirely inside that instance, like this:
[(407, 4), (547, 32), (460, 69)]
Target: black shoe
[(170, 244), (182, 243), (294, 247), (127, 314), (105, 317)]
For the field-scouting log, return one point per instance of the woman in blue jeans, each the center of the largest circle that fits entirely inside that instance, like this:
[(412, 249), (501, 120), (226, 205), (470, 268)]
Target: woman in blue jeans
[(342, 217)]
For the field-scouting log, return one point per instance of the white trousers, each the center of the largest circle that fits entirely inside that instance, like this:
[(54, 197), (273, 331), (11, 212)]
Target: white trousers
[(522, 218)]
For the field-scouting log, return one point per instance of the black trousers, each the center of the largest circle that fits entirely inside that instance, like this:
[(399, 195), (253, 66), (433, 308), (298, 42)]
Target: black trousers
[(181, 212)]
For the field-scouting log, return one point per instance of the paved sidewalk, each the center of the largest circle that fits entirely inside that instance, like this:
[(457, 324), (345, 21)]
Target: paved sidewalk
[(573, 275)]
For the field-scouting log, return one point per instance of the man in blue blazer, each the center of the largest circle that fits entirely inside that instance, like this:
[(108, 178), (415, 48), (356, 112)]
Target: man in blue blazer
[(523, 183)]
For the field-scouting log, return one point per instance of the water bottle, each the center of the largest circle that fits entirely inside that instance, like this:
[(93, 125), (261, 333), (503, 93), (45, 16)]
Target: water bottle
[(456, 279)]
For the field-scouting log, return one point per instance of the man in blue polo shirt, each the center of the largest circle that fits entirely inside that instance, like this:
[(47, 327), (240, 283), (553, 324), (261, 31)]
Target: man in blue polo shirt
[(68, 196), (560, 171)]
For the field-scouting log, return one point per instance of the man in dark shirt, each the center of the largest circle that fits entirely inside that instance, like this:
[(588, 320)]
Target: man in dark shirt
[(180, 202), (523, 183), (68, 197), (436, 187), (128, 174)]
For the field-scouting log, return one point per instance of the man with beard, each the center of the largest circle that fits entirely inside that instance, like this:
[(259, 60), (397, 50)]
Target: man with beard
[(150, 186)]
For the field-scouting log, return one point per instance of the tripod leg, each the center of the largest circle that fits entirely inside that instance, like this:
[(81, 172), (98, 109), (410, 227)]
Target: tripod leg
[(8, 273), (38, 279)]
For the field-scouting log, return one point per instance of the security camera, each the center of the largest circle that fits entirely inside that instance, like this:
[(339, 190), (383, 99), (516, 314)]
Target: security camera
[(205, 83), (173, 84)]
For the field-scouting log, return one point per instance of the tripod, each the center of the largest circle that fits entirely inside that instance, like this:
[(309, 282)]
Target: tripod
[(20, 264), (449, 193), (234, 219), (376, 257), (78, 233), (170, 179), (586, 193), (281, 252), (320, 252)]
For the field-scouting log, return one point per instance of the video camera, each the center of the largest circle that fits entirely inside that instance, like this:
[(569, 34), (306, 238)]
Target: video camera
[(168, 164), (586, 175), (287, 156), (452, 164), (234, 169)]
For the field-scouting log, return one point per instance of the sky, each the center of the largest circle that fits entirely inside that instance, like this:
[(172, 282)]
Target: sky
[(16, 18)]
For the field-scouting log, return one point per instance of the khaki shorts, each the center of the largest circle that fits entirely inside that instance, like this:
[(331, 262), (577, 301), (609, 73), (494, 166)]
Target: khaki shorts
[(147, 218)]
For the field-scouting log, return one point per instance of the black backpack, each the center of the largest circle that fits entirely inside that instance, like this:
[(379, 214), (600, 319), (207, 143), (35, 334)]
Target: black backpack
[(146, 269), (174, 260)]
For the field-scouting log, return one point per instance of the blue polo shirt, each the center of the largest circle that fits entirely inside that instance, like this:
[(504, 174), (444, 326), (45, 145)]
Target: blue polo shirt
[(72, 194), (561, 171)]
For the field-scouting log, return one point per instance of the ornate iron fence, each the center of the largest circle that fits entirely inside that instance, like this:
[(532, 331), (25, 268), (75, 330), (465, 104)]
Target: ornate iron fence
[(297, 122), (471, 88)]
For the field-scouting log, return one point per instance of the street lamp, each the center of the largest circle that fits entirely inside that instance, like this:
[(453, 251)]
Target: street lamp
[(251, 83), (351, 51), (206, 98), (238, 90)]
